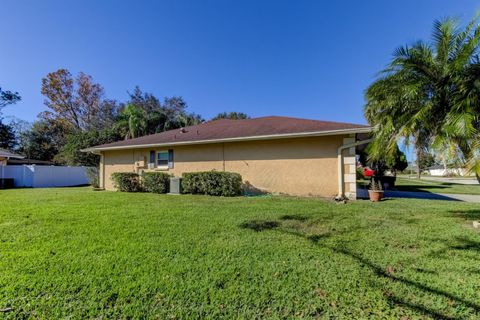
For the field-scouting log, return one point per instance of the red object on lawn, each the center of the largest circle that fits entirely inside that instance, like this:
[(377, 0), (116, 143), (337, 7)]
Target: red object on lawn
[(368, 172)]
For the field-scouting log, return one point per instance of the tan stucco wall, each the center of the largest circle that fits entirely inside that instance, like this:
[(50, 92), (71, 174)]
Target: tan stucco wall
[(300, 166)]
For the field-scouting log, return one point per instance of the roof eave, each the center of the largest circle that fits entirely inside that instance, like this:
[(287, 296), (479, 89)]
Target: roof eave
[(96, 150), (12, 156)]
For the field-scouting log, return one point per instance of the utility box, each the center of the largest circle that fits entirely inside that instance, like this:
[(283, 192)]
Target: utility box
[(6, 183), (175, 185)]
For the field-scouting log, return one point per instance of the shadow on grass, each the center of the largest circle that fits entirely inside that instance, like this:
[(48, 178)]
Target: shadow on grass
[(315, 238), (418, 308), (378, 271), (293, 217), (466, 244), (417, 188), (467, 214), (462, 244), (250, 190), (260, 225)]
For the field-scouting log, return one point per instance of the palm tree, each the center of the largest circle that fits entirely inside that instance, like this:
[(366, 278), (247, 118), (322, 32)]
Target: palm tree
[(429, 94), (133, 121)]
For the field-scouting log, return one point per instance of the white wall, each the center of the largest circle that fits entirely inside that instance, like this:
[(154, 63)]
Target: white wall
[(443, 172), (44, 176)]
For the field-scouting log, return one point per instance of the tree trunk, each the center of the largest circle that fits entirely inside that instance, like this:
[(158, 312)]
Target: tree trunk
[(477, 176), (418, 164)]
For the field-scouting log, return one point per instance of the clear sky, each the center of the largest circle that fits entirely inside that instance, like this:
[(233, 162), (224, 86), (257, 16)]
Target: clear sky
[(310, 59)]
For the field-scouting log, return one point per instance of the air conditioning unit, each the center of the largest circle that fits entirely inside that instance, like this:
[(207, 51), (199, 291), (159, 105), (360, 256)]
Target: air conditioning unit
[(175, 185), (151, 166)]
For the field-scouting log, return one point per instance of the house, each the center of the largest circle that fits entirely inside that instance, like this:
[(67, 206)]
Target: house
[(16, 171), (27, 161), (274, 154), (6, 155), (441, 171)]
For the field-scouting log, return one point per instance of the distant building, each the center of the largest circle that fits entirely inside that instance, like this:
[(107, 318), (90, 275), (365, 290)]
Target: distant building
[(440, 171), (6, 155)]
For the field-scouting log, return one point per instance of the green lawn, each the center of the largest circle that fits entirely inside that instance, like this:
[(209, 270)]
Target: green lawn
[(76, 253), (423, 185)]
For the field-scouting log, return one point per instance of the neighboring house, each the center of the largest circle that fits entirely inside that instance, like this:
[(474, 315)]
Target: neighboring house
[(274, 154), (16, 171), (440, 171), (6, 155), (27, 161)]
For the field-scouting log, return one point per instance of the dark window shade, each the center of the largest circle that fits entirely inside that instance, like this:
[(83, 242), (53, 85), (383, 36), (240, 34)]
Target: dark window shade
[(152, 156), (170, 159)]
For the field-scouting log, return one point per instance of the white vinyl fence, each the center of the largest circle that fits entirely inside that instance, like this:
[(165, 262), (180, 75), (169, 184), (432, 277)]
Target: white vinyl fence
[(44, 176)]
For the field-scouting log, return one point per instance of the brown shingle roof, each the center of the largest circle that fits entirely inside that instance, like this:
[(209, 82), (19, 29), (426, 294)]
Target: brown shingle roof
[(225, 129)]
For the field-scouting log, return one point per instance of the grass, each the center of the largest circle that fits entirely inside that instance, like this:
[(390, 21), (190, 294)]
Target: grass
[(422, 185), (75, 253)]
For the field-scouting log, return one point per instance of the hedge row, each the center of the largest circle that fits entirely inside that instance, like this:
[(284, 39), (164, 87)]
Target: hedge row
[(155, 182), (213, 183)]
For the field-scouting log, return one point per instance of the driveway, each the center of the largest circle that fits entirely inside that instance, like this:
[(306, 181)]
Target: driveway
[(363, 194)]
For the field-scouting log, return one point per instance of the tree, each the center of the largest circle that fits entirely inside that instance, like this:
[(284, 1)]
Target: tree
[(231, 115), (132, 122), (144, 114), (76, 103), (7, 136), (71, 153), (430, 94), (76, 106), (146, 103), (395, 163), (187, 119), (177, 116), (20, 127), (8, 97), (448, 156), (425, 160), (41, 141)]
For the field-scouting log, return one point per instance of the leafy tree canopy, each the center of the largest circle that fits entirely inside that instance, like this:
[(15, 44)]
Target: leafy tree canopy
[(396, 162), (41, 141), (430, 94), (8, 97), (71, 153), (7, 136), (76, 103), (144, 114), (231, 115)]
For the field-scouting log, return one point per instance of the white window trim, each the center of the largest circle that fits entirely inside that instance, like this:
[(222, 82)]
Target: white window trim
[(157, 166)]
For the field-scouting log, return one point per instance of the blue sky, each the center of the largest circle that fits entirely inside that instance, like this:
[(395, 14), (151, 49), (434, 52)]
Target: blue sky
[(310, 59)]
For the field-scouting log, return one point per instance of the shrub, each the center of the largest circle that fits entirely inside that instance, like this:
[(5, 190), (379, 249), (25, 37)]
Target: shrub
[(359, 173), (192, 183), (126, 181), (156, 182), (213, 183), (93, 176)]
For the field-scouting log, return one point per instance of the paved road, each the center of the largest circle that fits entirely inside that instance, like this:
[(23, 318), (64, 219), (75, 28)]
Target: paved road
[(468, 181), (362, 193)]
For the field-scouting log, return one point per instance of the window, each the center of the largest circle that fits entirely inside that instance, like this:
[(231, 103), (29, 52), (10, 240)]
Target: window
[(162, 159)]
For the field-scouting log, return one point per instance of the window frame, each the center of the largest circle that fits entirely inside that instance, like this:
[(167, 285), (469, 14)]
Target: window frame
[(157, 159)]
